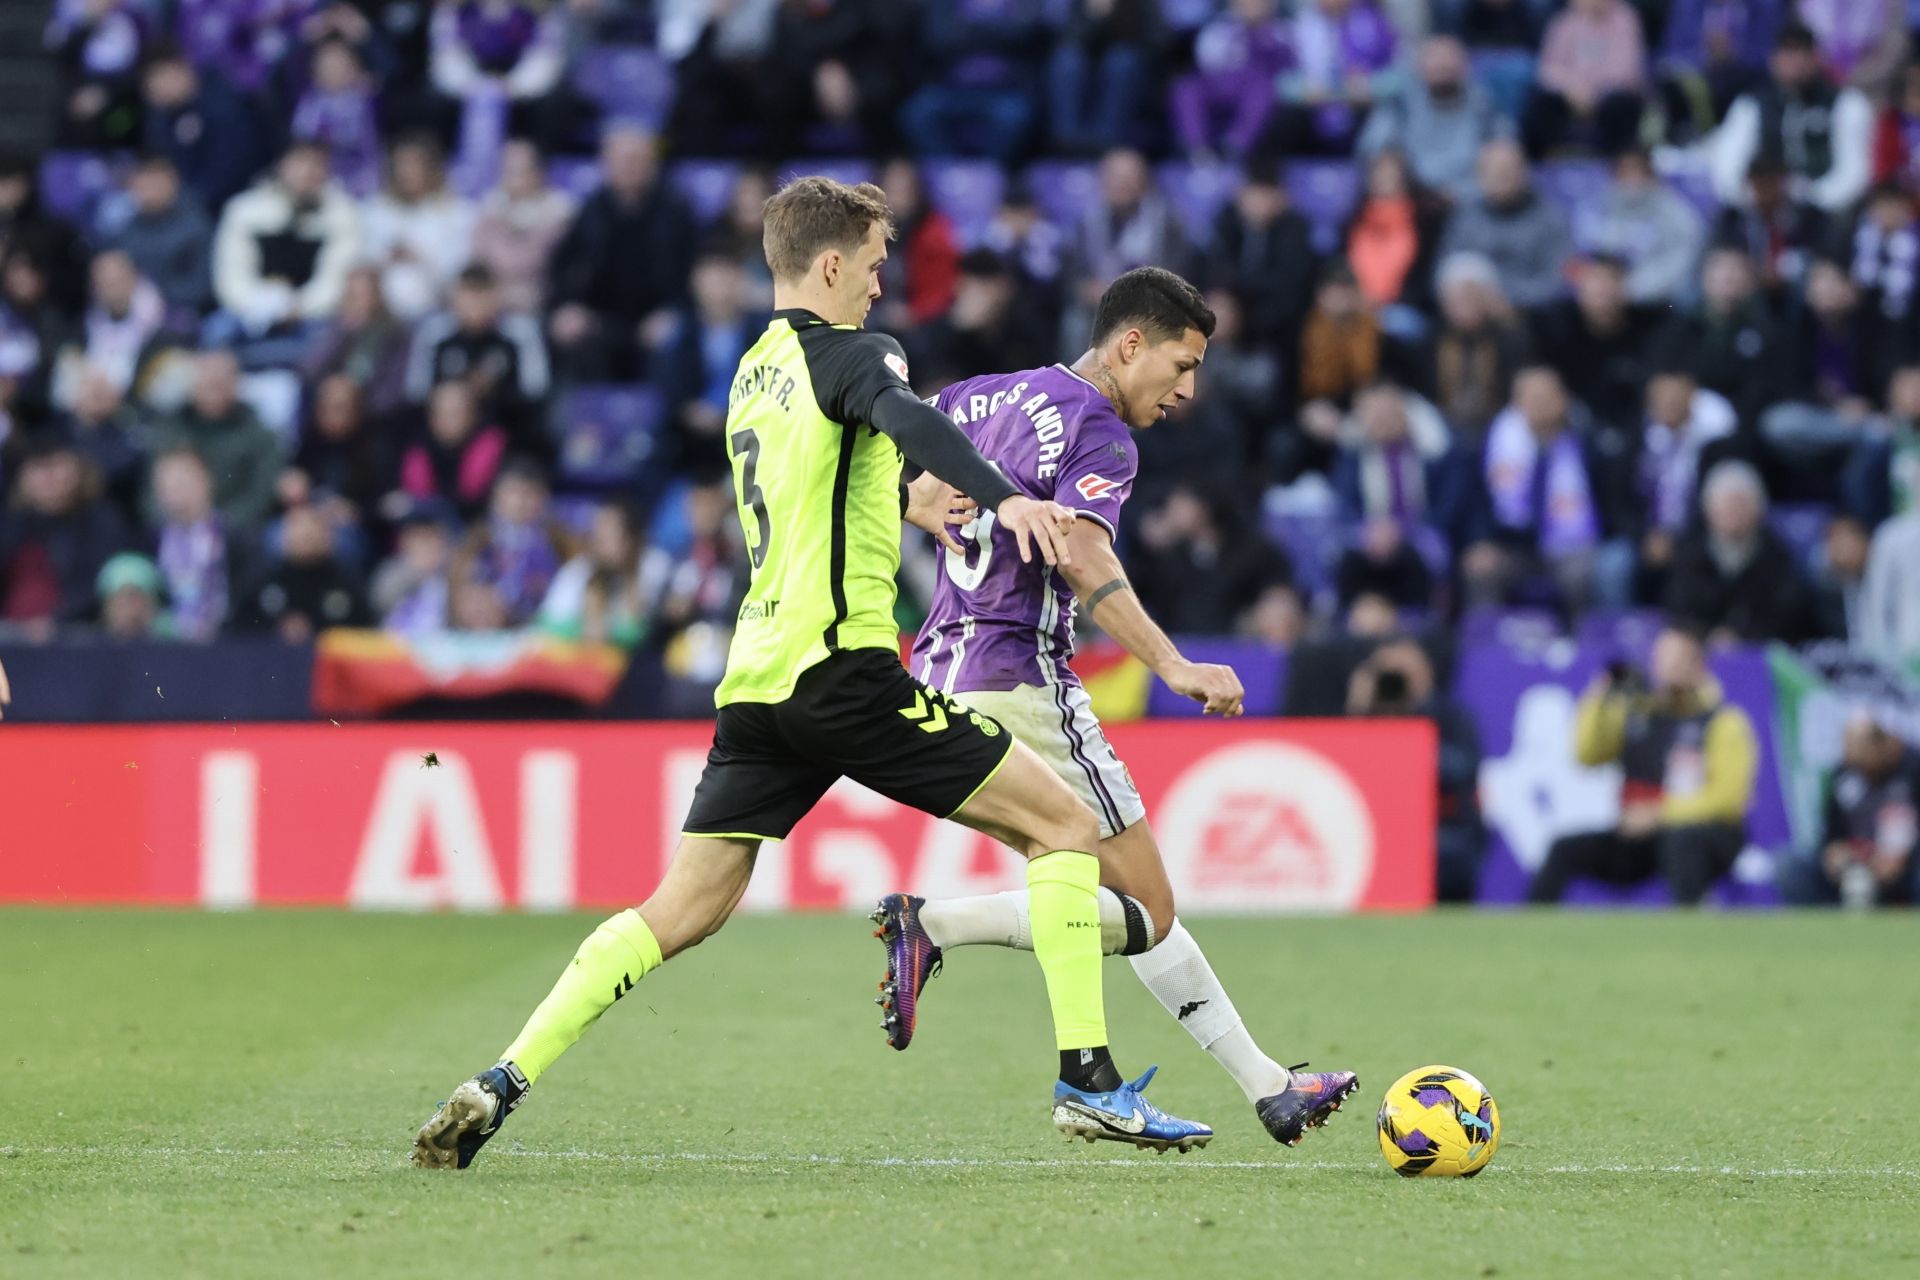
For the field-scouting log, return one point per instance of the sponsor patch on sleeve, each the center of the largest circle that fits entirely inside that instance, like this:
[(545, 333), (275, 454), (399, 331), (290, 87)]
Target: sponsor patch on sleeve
[(1092, 486), (897, 363)]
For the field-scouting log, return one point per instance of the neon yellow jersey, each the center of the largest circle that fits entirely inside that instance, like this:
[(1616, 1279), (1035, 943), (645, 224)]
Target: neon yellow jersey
[(818, 491)]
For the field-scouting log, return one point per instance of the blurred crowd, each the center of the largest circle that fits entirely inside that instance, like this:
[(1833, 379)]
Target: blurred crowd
[(421, 314)]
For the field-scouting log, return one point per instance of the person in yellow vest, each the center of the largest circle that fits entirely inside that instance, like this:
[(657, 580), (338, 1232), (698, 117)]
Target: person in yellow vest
[(1689, 758)]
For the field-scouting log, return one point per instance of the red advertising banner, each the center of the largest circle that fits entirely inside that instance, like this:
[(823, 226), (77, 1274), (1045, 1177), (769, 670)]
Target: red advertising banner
[(1253, 816)]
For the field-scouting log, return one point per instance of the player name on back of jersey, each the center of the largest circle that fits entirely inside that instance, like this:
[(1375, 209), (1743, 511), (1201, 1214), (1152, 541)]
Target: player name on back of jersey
[(1049, 429), (763, 379)]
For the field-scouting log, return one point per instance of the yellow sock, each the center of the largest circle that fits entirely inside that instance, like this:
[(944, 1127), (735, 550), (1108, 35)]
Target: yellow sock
[(1064, 906), (614, 957)]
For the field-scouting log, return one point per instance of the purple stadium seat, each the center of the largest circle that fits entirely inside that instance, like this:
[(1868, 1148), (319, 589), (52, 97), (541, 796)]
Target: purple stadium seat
[(1569, 185), (1187, 15), (1802, 526), (1314, 544), (607, 434), (707, 186), (1064, 189), (1696, 188), (1325, 192), (1432, 546), (1506, 75), (967, 191), (628, 81), (1197, 192), (574, 511), (72, 183), (839, 169), (578, 176)]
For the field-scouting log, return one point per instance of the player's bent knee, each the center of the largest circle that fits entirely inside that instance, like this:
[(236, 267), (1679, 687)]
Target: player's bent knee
[(678, 930), (1160, 910)]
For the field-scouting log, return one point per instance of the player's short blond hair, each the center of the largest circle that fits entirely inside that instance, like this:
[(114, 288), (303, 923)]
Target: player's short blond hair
[(811, 215)]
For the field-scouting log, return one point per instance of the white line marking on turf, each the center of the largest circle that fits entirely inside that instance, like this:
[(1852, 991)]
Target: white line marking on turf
[(768, 1159)]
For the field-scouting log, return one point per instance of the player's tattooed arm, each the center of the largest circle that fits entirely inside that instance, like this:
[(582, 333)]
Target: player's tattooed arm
[(1106, 589), (1098, 579)]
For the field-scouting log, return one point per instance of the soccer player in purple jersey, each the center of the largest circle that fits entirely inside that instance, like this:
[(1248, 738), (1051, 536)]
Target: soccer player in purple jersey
[(998, 639)]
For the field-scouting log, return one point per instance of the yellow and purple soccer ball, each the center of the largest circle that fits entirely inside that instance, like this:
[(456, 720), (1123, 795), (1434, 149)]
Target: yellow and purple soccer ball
[(1438, 1122)]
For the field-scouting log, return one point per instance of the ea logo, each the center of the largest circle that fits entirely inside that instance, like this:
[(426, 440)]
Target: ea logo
[(1264, 825)]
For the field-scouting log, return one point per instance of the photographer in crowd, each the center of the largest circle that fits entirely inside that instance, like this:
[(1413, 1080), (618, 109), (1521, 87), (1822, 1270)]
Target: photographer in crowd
[(1869, 829), (1397, 680), (1689, 757)]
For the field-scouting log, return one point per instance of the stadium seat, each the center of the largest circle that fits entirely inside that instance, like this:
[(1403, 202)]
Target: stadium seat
[(1506, 75), (575, 511), (1064, 189), (607, 434), (1314, 543), (628, 81), (72, 183), (578, 176), (1571, 185), (1325, 192), (967, 191), (839, 168), (1187, 15), (1197, 192), (1802, 526), (707, 186), (1695, 186)]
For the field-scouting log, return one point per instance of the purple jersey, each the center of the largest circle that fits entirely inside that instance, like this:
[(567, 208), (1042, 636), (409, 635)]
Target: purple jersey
[(997, 623)]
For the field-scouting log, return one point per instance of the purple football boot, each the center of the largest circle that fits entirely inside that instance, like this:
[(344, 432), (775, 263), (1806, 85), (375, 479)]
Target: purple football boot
[(911, 960), (1305, 1103)]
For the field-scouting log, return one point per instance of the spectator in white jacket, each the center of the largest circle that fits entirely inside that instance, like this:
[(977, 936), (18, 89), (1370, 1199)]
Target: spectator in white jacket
[(1889, 612), (1822, 134), (283, 247), (418, 233)]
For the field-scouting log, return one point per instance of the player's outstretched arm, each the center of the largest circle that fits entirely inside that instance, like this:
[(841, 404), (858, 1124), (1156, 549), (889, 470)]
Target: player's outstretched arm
[(931, 441), (936, 506), (1100, 582)]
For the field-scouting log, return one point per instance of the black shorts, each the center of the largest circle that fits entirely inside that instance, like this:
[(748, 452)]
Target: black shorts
[(860, 715)]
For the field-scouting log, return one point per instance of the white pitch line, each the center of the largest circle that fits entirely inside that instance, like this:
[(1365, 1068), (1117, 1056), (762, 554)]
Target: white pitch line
[(768, 1159)]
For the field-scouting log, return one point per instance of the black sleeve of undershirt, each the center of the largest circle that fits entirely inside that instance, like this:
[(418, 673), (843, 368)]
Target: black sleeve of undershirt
[(850, 367), (931, 442), (853, 372)]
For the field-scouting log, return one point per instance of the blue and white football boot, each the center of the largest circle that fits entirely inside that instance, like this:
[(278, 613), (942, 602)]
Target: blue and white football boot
[(1124, 1116), (464, 1122)]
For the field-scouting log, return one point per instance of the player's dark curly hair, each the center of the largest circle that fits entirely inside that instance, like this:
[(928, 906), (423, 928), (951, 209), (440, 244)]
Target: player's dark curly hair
[(1155, 301)]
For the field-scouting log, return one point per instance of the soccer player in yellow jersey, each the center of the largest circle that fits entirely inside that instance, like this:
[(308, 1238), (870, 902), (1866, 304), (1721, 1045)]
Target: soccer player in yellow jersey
[(818, 420)]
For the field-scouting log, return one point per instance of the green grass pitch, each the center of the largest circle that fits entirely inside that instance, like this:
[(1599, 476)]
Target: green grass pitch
[(1682, 1095)]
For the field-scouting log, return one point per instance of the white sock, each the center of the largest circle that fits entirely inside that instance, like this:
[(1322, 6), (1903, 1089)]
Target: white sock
[(1181, 980), (1002, 920)]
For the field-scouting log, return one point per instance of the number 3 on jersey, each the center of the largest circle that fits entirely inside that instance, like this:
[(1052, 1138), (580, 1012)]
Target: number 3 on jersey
[(747, 446), (979, 530)]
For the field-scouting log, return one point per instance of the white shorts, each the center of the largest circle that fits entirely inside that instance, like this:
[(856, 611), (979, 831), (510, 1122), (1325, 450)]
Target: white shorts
[(1056, 722)]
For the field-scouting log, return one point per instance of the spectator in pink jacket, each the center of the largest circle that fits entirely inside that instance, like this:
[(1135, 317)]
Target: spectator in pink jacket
[(520, 221), (1592, 73)]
